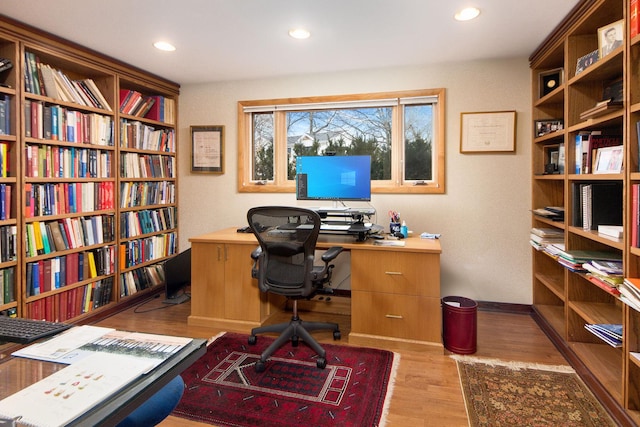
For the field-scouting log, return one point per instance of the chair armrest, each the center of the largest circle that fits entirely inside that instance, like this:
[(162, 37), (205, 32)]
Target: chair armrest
[(255, 254), (331, 253)]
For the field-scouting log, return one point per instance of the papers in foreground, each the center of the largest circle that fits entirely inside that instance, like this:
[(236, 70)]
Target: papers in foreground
[(101, 362)]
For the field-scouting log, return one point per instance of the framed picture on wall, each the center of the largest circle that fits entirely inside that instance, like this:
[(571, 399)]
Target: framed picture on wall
[(207, 149), (488, 132)]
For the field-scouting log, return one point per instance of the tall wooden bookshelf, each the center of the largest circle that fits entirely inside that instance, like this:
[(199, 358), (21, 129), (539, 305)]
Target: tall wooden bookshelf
[(93, 201), (565, 300)]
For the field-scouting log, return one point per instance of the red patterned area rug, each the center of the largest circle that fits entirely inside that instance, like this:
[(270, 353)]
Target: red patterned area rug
[(500, 393), (223, 389)]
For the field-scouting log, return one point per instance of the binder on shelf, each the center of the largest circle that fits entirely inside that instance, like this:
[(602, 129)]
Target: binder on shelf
[(597, 203)]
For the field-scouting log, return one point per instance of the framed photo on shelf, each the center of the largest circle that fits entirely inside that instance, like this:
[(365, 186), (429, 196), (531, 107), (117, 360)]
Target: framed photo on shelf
[(550, 80), (207, 149), (544, 127), (610, 37), (587, 60), (609, 159), (488, 132)]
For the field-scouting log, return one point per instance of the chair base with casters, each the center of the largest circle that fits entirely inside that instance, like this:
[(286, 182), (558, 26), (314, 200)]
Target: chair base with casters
[(297, 329)]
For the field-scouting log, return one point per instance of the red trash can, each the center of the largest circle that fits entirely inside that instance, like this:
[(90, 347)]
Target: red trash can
[(459, 324)]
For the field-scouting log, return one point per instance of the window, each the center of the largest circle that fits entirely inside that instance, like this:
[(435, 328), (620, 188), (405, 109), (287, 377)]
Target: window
[(403, 132)]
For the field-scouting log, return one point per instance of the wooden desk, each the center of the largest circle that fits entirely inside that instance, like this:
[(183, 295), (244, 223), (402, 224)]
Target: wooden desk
[(395, 291)]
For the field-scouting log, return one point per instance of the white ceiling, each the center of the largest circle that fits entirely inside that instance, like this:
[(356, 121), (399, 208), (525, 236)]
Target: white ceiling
[(223, 40)]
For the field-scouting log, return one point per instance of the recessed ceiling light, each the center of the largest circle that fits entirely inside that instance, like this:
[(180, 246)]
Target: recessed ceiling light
[(467, 14), (166, 46), (299, 33)]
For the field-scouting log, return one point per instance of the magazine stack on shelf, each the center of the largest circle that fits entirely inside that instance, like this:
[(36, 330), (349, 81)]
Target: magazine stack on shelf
[(543, 237), (554, 213), (606, 275), (630, 292), (609, 333), (574, 260)]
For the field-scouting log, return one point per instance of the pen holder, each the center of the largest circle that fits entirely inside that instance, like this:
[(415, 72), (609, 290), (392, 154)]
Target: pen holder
[(394, 227)]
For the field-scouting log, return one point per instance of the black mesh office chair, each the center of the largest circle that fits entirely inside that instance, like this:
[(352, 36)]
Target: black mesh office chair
[(284, 265)]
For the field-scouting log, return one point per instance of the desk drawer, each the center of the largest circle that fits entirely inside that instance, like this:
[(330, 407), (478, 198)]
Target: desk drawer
[(396, 316), (406, 273)]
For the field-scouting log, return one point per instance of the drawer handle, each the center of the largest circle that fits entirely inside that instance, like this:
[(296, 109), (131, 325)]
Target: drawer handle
[(393, 316), (393, 273)]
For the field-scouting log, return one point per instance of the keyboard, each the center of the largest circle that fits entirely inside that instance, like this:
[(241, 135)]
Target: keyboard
[(17, 329)]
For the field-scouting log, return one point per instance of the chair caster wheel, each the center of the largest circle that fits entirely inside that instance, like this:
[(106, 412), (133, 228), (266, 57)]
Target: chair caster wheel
[(336, 335), (260, 366), (295, 341), (253, 340), (321, 363)]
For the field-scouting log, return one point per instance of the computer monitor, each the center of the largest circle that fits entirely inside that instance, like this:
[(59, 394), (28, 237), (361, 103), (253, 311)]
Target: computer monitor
[(177, 276), (333, 178)]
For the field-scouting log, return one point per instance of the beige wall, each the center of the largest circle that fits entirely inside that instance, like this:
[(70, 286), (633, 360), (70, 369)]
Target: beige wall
[(484, 215)]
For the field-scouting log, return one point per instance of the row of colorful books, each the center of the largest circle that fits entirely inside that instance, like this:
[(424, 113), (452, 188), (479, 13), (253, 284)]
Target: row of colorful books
[(5, 115), (134, 134), (68, 233), (5, 162), (135, 194), (139, 251), (587, 146), (134, 165), (5, 201), (8, 243), (48, 274), (42, 79), (140, 279), (136, 223), (7, 284), (64, 198), (57, 123), (74, 302), (152, 107), (48, 161)]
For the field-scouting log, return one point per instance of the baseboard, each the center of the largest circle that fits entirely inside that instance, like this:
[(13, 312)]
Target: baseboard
[(504, 307)]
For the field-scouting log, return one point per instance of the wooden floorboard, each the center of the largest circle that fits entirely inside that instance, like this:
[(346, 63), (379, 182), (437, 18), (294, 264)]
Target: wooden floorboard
[(427, 389)]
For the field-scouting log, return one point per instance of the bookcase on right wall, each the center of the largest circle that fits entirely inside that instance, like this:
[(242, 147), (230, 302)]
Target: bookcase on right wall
[(586, 113)]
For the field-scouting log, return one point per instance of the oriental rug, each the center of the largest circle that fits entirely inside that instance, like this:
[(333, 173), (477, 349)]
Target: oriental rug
[(499, 393), (223, 389)]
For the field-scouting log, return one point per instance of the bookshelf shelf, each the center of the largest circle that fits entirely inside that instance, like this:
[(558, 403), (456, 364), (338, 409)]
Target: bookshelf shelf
[(569, 300), (64, 169)]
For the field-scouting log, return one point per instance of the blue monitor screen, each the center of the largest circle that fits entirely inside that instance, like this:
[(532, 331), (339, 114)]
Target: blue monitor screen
[(333, 178)]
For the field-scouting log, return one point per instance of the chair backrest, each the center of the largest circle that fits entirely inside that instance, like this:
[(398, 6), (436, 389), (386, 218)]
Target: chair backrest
[(287, 237)]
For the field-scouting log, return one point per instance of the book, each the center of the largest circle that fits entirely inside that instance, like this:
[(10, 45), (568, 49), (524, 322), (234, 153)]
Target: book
[(601, 108)]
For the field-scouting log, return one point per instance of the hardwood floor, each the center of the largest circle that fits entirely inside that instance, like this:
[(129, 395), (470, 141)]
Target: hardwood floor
[(427, 390)]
